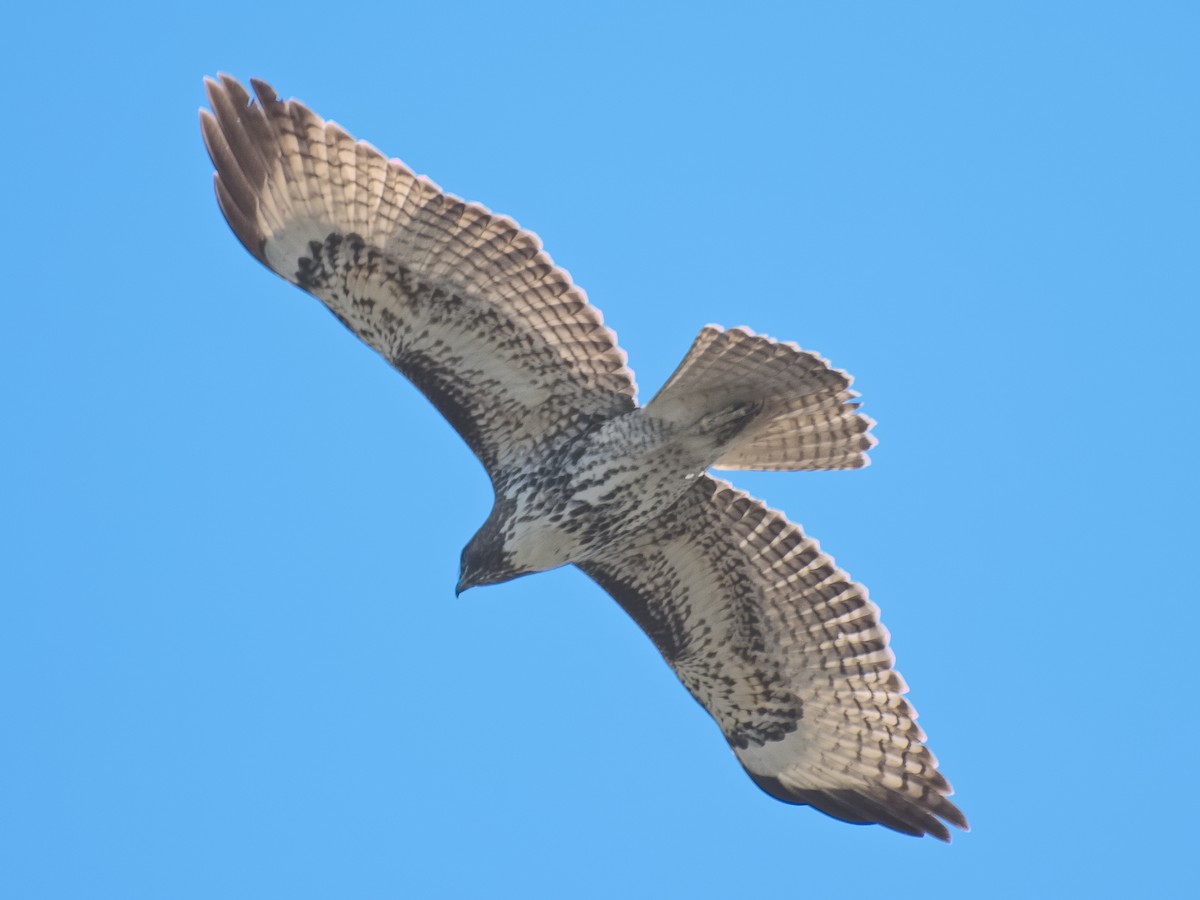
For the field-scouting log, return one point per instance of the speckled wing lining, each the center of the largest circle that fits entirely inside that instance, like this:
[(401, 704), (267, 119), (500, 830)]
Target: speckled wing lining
[(460, 300), (786, 653)]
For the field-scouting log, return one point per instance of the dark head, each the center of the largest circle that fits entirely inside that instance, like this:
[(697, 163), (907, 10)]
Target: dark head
[(484, 560)]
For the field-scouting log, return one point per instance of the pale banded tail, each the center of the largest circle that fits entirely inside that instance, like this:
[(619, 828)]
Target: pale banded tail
[(808, 419)]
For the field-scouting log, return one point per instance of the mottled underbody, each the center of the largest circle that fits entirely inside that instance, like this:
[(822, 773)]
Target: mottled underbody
[(572, 502)]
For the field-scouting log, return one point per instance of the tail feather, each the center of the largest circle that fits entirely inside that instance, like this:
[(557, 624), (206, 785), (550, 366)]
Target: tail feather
[(807, 418)]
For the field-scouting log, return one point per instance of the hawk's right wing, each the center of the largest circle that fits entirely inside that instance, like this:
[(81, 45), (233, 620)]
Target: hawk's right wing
[(460, 300), (786, 653)]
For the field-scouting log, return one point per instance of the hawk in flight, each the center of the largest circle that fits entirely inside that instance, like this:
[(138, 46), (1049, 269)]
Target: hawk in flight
[(784, 651)]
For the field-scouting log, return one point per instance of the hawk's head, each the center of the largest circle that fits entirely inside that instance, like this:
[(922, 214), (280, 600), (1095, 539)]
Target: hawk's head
[(485, 560), (507, 547)]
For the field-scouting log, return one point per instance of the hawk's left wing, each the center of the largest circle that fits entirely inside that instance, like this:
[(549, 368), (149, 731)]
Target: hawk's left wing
[(786, 653), (462, 301)]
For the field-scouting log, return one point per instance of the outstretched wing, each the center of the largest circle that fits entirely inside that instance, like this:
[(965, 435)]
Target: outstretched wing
[(462, 301), (786, 653)]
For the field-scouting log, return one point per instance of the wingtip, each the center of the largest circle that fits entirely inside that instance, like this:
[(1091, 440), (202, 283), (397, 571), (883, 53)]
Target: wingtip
[(265, 93), (858, 809), (212, 90), (210, 131)]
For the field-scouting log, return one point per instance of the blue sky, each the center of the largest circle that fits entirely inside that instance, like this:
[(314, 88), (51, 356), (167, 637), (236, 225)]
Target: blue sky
[(231, 661)]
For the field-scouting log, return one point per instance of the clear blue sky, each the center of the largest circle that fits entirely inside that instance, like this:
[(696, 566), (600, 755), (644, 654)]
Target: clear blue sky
[(231, 661)]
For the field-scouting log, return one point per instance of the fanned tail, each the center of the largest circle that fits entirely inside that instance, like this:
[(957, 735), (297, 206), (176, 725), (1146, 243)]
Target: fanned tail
[(806, 416)]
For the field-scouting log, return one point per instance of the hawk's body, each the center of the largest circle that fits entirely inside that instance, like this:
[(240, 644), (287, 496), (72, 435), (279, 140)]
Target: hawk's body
[(783, 650)]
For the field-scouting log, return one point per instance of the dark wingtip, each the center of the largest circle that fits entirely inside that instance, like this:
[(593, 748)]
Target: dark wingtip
[(265, 93), (234, 137), (855, 808)]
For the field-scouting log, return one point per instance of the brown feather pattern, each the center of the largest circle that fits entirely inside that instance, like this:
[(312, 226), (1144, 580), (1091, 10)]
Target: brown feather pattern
[(784, 651)]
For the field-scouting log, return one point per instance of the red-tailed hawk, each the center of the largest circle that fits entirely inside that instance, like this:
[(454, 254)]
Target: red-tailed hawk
[(777, 643)]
